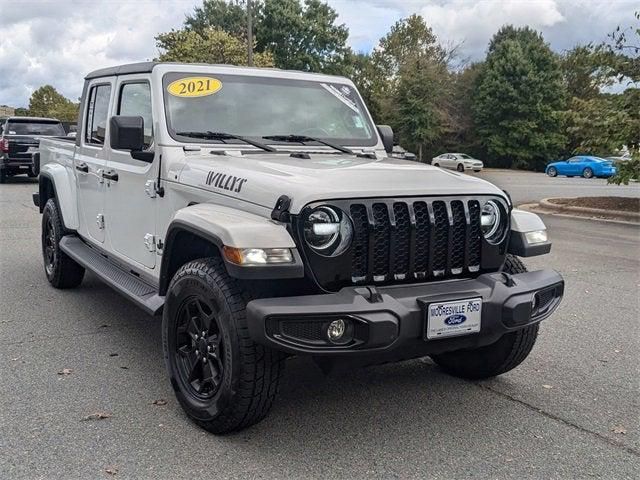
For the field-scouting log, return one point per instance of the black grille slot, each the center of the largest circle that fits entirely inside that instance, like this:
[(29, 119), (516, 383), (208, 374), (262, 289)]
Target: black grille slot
[(458, 236), (360, 241), (381, 229), (401, 239), (474, 235), (423, 227), (413, 240), (441, 238)]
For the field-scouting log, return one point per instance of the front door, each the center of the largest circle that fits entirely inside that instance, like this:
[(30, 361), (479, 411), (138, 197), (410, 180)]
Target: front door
[(130, 196), (90, 159)]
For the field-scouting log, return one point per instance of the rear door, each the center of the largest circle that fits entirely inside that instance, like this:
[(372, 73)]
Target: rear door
[(91, 157), (130, 200)]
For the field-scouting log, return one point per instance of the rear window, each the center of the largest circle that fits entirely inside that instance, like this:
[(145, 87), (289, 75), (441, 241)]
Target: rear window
[(19, 127)]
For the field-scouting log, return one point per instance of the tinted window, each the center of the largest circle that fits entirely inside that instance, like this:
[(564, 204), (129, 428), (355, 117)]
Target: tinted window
[(26, 127), (135, 100), (464, 155), (575, 160), (97, 113)]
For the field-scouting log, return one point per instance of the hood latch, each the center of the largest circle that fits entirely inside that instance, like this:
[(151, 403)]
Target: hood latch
[(280, 212)]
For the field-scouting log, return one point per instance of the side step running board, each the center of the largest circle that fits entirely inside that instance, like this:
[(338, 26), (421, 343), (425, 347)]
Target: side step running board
[(144, 295)]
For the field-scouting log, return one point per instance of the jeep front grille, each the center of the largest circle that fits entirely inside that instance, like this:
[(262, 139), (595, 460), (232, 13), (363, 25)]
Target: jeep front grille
[(397, 240)]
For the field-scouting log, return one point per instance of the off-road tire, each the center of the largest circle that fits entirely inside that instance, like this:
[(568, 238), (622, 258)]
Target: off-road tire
[(460, 168), (251, 371), (62, 272), (552, 172), (587, 173), (499, 357)]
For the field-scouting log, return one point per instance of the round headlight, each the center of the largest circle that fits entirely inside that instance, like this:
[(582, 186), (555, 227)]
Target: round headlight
[(491, 222), (328, 230)]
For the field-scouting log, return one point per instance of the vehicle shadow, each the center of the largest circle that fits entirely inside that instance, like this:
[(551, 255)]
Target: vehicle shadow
[(22, 179)]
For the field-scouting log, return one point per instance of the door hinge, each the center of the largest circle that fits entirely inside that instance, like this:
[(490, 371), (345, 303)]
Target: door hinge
[(150, 242), (150, 188), (100, 221)]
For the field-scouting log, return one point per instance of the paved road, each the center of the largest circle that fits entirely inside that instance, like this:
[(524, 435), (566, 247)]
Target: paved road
[(528, 187), (554, 417)]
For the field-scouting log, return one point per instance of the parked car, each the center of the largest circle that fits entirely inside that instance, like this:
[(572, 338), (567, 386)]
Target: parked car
[(261, 232), (457, 161), (586, 166), (19, 139)]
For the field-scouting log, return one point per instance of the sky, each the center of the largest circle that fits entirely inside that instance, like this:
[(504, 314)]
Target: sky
[(58, 42)]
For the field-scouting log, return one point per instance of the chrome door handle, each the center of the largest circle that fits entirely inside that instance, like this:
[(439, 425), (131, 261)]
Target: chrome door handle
[(82, 167)]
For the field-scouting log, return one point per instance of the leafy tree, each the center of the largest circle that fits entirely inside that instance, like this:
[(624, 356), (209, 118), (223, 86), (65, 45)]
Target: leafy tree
[(21, 112), (303, 36), (208, 46), (583, 72), (228, 16), (47, 102), (420, 117), (519, 102)]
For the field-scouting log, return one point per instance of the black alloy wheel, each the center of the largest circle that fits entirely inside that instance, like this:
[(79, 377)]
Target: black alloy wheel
[(199, 348), (460, 167), (49, 250)]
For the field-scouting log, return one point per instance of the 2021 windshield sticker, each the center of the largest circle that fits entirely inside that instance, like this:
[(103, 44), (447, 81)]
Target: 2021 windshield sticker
[(194, 87)]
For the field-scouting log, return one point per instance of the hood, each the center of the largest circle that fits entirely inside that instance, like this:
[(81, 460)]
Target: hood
[(263, 178)]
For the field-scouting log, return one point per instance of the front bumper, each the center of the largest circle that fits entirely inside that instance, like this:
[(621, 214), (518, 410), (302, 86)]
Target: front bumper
[(389, 322)]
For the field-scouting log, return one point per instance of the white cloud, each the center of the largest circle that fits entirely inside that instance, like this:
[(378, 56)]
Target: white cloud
[(59, 42)]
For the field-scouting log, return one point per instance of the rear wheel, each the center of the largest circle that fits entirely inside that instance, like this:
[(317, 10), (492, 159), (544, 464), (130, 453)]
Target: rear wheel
[(61, 270), (587, 173), (499, 357), (552, 172), (436, 164), (222, 379), (460, 167)]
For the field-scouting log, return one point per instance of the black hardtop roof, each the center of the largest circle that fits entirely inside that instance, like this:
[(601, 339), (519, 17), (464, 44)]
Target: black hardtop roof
[(32, 119)]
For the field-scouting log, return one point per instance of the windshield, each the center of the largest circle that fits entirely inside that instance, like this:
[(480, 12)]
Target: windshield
[(255, 107), (464, 155), (26, 127)]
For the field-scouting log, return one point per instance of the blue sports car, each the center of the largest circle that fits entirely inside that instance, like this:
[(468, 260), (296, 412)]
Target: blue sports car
[(582, 165)]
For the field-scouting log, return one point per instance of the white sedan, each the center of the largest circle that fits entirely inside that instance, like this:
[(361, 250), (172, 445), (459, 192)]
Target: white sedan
[(457, 161)]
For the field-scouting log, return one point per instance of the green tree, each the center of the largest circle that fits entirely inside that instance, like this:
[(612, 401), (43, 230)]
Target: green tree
[(520, 99), (21, 112), (46, 101), (303, 36), (207, 46), (228, 16)]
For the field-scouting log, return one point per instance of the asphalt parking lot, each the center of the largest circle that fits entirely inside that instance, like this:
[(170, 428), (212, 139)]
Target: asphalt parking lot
[(570, 411)]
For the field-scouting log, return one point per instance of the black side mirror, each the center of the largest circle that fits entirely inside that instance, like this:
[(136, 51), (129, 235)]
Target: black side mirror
[(127, 133), (386, 132)]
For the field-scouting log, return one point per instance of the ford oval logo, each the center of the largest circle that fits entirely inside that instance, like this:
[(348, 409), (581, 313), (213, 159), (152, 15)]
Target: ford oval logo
[(455, 319)]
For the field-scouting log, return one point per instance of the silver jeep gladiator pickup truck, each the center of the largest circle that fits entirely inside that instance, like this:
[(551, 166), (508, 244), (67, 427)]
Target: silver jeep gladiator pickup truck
[(259, 212)]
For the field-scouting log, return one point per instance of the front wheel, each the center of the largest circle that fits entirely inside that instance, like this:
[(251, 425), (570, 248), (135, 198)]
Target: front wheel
[(552, 172), (3, 175), (222, 379), (499, 357), (587, 173), (460, 167)]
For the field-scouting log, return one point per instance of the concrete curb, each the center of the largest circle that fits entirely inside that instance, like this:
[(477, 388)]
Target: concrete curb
[(629, 216)]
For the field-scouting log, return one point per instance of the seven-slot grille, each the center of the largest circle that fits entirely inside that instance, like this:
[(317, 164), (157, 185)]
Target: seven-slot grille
[(398, 240)]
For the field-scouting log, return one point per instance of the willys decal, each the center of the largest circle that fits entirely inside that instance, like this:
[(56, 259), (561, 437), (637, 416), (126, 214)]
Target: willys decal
[(225, 182)]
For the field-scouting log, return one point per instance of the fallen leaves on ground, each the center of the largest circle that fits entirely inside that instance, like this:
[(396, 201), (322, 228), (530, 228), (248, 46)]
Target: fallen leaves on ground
[(113, 354), (65, 371), (548, 387), (96, 416), (111, 470), (160, 401), (620, 430)]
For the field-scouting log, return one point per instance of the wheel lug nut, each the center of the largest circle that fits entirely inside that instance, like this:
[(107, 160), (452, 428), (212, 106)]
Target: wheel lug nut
[(208, 348), (197, 352), (204, 359)]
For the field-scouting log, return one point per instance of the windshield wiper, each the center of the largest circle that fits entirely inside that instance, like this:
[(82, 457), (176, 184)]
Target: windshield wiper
[(226, 136), (306, 138)]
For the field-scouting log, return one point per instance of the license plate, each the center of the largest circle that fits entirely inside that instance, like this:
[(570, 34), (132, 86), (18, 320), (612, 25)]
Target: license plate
[(449, 319)]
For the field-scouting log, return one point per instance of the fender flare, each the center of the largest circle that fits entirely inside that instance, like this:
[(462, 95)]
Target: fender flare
[(523, 222), (64, 191), (224, 226)]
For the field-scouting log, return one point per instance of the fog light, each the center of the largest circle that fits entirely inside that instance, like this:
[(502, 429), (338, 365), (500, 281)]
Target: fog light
[(336, 330)]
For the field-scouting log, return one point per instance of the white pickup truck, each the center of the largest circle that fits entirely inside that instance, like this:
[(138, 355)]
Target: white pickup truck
[(258, 211)]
